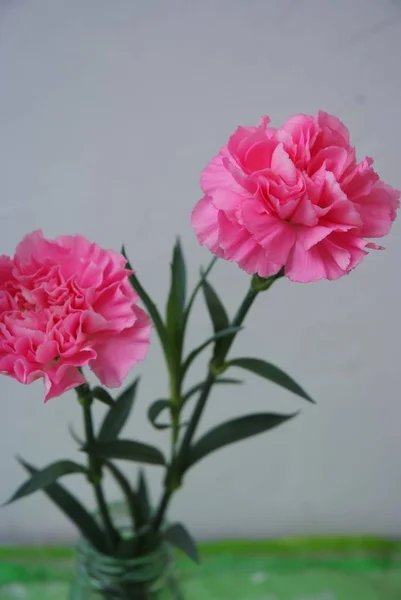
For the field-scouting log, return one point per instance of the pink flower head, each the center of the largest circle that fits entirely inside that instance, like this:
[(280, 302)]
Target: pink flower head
[(293, 197), (64, 304)]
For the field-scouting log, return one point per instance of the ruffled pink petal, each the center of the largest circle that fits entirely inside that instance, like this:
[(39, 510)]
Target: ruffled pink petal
[(335, 133), (305, 265), (240, 247), (308, 237), (334, 159), (259, 155), (242, 140), (305, 213), (6, 269), (214, 175), (333, 257), (360, 180), (320, 262), (276, 237), (113, 305), (378, 210), (63, 379), (120, 352), (204, 221), (46, 352), (228, 201), (283, 166), (302, 131)]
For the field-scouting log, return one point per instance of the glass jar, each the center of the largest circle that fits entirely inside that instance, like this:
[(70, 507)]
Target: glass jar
[(102, 577)]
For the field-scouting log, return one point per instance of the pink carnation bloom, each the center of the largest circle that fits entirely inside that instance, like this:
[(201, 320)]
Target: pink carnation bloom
[(64, 304), (293, 197)]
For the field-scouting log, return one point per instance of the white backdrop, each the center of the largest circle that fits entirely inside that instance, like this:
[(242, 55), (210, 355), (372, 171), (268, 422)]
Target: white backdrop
[(108, 112)]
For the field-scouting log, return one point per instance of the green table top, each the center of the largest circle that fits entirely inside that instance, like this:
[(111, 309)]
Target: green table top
[(301, 569)]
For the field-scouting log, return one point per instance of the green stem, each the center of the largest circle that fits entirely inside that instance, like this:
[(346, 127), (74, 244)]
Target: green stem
[(95, 467), (178, 462), (196, 416), (200, 405), (239, 317)]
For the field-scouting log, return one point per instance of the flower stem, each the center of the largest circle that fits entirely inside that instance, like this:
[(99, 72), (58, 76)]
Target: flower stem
[(179, 463), (95, 467), (209, 381)]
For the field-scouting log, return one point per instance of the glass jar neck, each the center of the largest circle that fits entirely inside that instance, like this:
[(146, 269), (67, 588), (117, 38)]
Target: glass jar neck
[(115, 578)]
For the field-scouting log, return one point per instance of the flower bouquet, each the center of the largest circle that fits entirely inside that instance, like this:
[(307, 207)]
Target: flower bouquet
[(289, 202)]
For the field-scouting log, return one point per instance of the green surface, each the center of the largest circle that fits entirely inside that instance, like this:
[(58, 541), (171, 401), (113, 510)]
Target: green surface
[(307, 569)]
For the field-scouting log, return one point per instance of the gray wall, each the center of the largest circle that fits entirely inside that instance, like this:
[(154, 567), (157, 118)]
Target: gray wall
[(108, 112)]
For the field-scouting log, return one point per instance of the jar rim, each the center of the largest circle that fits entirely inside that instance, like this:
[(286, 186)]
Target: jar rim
[(162, 551)]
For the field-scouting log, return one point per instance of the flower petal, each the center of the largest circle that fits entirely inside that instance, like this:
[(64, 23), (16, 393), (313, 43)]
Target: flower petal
[(204, 221)]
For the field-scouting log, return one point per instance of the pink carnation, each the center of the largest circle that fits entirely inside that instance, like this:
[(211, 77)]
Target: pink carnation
[(64, 304), (293, 197)]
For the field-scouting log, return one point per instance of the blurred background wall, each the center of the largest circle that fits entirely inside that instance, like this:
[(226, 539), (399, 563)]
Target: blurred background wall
[(108, 113)]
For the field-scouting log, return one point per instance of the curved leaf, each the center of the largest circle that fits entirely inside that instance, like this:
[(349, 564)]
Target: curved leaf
[(103, 395), (126, 450), (270, 372), (234, 431), (74, 510), (219, 335), (178, 536), (149, 304), (215, 307), (198, 287), (118, 414), (45, 477), (157, 407)]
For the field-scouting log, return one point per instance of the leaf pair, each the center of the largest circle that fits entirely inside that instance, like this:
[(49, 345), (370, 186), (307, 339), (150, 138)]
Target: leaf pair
[(107, 445), (171, 333), (247, 426), (257, 366), (163, 404)]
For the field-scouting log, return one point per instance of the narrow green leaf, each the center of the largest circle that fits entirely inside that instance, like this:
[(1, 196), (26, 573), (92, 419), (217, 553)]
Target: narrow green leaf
[(157, 407), (103, 395), (45, 477), (220, 320), (126, 450), (143, 500), (176, 299), (223, 333), (178, 536), (215, 307), (270, 372), (118, 414), (197, 288), (234, 431), (74, 510), (149, 304), (199, 386), (130, 495)]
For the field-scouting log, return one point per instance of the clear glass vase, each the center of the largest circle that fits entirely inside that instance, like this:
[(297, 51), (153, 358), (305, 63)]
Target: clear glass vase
[(148, 577)]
